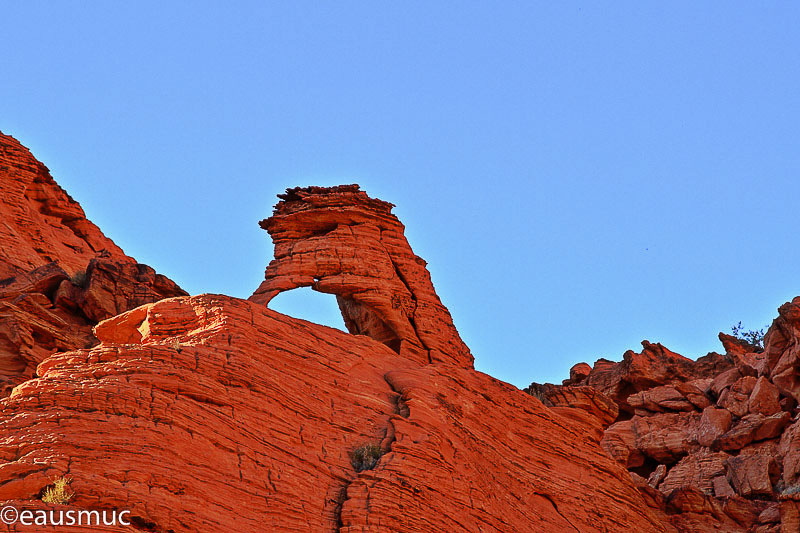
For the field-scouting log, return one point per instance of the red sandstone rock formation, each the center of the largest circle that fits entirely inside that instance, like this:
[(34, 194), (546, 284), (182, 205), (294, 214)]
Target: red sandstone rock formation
[(59, 275), (713, 441), (340, 241), (42, 223), (216, 414), (210, 413)]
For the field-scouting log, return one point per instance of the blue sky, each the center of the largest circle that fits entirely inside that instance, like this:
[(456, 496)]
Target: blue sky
[(579, 177)]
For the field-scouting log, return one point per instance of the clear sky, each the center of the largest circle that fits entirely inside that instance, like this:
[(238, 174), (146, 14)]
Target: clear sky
[(578, 176)]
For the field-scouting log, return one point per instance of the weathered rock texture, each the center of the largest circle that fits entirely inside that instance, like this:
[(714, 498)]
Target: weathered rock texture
[(713, 441), (340, 241), (41, 223), (216, 414), (211, 413), (60, 274)]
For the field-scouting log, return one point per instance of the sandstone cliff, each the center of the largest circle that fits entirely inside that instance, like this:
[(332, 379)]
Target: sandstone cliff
[(210, 413)]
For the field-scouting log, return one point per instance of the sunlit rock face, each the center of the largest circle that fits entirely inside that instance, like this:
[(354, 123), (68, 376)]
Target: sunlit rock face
[(59, 275), (41, 223), (714, 442), (340, 241), (210, 413)]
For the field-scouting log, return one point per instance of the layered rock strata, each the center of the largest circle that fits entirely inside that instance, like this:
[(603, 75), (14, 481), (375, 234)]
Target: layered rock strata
[(210, 413), (59, 275), (339, 241), (216, 414), (41, 223)]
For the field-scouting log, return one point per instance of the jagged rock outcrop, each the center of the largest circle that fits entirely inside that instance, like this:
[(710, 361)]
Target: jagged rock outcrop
[(59, 275), (340, 241), (41, 223), (712, 440)]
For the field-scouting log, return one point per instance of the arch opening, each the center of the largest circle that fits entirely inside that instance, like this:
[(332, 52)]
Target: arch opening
[(307, 304)]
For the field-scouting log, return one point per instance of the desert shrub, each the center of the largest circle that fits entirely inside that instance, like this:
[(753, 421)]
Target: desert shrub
[(59, 492), (365, 457), (753, 337)]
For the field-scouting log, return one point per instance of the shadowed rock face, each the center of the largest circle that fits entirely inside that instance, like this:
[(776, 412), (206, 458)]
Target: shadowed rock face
[(340, 241)]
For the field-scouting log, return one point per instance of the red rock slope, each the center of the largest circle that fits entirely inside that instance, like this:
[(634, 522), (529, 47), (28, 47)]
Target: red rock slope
[(209, 413), (59, 275), (714, 442), (42, 223)]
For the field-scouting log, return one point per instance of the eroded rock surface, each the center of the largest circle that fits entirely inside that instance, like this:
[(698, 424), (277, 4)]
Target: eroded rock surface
[(41, 223), (340, 241), (712, 441), (59, 275), (210, 413)]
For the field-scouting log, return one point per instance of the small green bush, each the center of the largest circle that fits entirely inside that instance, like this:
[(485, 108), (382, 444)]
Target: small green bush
[(365, 457), (753, 337), (58, 493)]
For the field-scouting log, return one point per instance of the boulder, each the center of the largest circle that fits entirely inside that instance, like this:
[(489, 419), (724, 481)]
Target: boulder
[(697, 470), (782, 349), (725, 380), (579, 372), (666, 437), (789, 449), (660, 399), (765, 398), (752, 475), (619, 442), (750, 428), (736, 397), (713, 423)]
